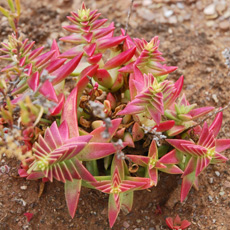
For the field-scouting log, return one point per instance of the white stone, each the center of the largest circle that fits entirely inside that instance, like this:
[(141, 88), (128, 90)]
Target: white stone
[(210, 10), (180, 5), (24, 187), (168, 13), (147, 2)]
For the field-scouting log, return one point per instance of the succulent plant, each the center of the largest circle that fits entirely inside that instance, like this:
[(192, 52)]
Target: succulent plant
[(118, 111), (184, 115), (177, 224), (201, 153)]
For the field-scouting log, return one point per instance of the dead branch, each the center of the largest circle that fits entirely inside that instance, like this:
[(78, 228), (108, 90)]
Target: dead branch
[(128, 16)]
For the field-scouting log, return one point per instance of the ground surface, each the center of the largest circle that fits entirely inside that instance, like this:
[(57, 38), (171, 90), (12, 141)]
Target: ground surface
[(189, 39)]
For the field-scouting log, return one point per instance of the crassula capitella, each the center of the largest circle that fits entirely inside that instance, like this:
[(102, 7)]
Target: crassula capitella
[(121, 95)]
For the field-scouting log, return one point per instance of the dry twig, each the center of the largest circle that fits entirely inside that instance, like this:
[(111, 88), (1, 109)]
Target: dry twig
[(128, 17), (206, 118)]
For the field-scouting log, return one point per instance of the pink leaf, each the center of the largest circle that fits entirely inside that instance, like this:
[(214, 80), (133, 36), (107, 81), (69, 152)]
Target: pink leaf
[(218, 158), (105, 43), (57, 109), (104, 32), (88, 71), (140, 160), (74, 38), (171, 169), (98, 23), (72, 194), (175, 130), (94, 59), (222, 144), (44, 58), (132, 109), (90, 49), (22, 173), (155, 114), (191, 166), (55, 64), (186, 185), (202, 163), (56, 48), (137, 132), (153, 151), (94, 151), (29, 216), (153, 174), (84, 173), (69, 113), (120, 59), (195, 113), (216, 124), (66, 69), (164, 126), (35, 53), (169, 158), (103, 78), (33, 81), (97, 137), (114, 209), (169, 222), (185, 224), (71, 53), (48, 91), (177, 143)]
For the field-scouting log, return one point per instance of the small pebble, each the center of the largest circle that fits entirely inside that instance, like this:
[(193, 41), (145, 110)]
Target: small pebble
[(214, 97), (146, 14), (173, 20), (210, 198), (227, 184), (199, 6), (126, 224), (147, 2), (217, 173), (210, 10), (180, 5), (224, 25), (221, 7), (168, 13), (138, 221), (221, 193), (211, 180), (24, 187)]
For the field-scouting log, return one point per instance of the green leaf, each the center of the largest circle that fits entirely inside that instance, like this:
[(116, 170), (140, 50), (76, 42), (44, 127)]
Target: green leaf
[(11, 5), (3, 84), (39, 115), (114, 209), (11, 23), (10, 107), (4, 12), (18, 6), (127, 201), (92, 167), (107, 161)]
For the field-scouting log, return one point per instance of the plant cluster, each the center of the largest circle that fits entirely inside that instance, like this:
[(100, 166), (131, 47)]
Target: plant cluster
[(121, 98)]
